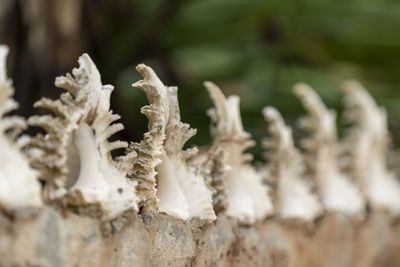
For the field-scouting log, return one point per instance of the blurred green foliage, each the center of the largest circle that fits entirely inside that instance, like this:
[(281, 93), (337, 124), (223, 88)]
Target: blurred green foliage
[(256, 49)]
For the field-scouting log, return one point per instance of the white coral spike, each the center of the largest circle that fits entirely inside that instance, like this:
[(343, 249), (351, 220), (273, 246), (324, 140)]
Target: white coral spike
[(181, 189), (337, 192), (285, 167), (213, 159), (247, 197), (19, 185), (367, 143), (74, 156), (146, 155)]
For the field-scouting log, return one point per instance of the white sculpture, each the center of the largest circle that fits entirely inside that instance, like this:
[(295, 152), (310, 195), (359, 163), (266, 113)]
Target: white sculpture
[(367, 144), (19, 184), (74, 155), (247, 197), (181, 189), (294, 199), (337, 192)]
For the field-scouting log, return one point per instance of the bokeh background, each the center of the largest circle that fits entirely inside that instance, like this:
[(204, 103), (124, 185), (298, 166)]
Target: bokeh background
[(256, 49)]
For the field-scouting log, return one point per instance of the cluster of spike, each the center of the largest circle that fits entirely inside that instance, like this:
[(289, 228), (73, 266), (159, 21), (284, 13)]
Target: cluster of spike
[(73, 158)]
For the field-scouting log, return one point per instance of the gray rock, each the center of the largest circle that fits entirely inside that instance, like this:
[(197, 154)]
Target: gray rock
[(55, 238)]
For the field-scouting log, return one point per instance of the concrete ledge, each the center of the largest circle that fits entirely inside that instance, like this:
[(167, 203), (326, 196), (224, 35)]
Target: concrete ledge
[(58, 238)]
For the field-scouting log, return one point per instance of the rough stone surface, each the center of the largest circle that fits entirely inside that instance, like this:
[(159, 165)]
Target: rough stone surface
[(59, 238)]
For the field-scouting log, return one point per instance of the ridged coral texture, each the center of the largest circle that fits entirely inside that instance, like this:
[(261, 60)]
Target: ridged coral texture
[(69, 165)]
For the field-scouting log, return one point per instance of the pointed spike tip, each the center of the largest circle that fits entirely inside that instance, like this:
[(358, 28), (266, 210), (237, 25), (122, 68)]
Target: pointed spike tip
[(352, 86), (270, 112), (3, 58), (301, 89)]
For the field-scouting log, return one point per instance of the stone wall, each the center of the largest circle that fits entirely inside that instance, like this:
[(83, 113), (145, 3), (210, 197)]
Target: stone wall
[(59, 238)]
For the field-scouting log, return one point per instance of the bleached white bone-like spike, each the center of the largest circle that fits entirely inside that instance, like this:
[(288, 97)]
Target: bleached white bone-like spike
[(146, 155), (247, 197), (175, 163), (367, 144), (337, 192), (286, 168), (74, 156), (181, 189), (213, 159), (19, 184)]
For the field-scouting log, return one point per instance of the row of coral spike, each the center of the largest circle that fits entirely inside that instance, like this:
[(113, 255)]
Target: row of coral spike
[(73, 158)]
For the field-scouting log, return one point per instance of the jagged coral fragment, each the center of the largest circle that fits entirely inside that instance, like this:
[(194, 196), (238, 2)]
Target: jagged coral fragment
[(146, 155), (336, 191), (74, 155), (285, 167), (19, 185), (246, 196), (213, 159), (181, 189), (366, 145)]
